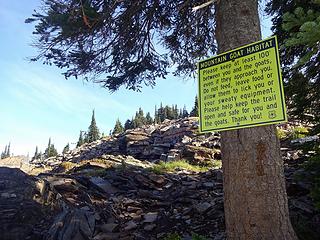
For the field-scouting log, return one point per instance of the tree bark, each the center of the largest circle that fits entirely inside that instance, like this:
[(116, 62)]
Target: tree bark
[(255, 199)]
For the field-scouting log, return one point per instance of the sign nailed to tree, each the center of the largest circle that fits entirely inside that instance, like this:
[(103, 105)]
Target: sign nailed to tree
[(241, 88)]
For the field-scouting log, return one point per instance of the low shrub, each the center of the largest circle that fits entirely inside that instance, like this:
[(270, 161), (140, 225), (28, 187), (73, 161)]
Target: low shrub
[(298, 132), (68, 165), (163, 167), (313, 168), (175, 236), (282, 134), (172, 236)]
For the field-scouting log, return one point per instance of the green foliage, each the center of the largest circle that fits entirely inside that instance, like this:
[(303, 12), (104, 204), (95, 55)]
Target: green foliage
[(50, 151), (149, 119), (37, 154), (96, 172), (297, 25), (122, 52), (196, 236), (128, 124), (80, 140), (93, 131), (308, 35), (66, 149), (184, 112), (173, 236), (282, 134), (6, 153), (163, 167), (68, 165), (176, 236), (195, 111), (312, 166), (170, 113), (293, 133), (139, 119), (118, 128), (160, 114), (299, 132)]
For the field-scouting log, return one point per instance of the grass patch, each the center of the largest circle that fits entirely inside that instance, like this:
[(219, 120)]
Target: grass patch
[(172, 236), (96, 172), (174, 166), (282, 134), (176, 236), (299, 132), (216, 164), (68, 165), (293, 133)]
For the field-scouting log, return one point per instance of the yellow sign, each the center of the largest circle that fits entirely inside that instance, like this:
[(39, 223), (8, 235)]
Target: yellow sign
[(242, 88)]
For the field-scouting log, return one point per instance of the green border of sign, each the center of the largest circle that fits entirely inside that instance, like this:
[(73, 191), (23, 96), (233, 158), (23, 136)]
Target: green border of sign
[(284, 115)]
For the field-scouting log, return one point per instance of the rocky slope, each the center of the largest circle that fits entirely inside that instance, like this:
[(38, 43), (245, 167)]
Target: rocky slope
[(102, 190), (171, 140), (125, 202)]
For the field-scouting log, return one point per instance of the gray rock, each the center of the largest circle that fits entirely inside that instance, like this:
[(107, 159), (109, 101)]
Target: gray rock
[(107, 236), (72, 225), (108, 227), (149, 227), (130, 226), (202, 207), (208, 184), (150, 217)]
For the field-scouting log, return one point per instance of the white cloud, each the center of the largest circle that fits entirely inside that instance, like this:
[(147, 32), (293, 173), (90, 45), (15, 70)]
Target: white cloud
[(38, 89)]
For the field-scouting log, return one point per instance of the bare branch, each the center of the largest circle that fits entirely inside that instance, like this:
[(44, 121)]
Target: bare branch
[(196, 8)]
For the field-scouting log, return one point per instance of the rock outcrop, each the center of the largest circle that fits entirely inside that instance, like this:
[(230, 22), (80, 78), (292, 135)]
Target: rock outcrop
[(171, 140)]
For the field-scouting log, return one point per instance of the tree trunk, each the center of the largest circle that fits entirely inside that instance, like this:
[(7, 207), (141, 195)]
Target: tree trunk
[(255, 199)]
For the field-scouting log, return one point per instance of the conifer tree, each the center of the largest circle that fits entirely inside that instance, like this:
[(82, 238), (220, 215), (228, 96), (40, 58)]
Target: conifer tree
[(180, 113), (80, 140), (8, 151), (3, 154), (149, 119), (36, 154), (66, 149), (118, 128), (194, 112), (297, 26), (47, 151), (93, 131), (53, 151), (139, 119), (176, 112), (168, 114), (161, 113), (128, 125), (85, 137), (50, 151), (185, 112), (155, 114)]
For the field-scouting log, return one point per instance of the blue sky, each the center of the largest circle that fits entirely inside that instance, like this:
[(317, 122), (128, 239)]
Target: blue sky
[(36, 102)]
